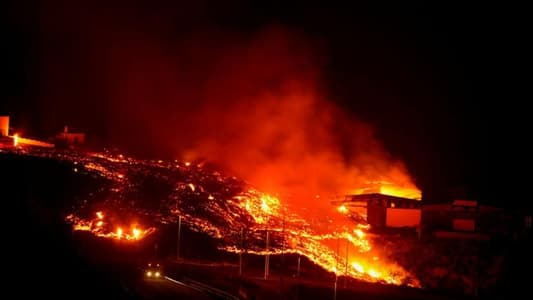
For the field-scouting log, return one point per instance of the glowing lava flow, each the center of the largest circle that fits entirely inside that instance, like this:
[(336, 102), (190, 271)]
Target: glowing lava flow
[(99, 227), (353, 257), (223, 207)]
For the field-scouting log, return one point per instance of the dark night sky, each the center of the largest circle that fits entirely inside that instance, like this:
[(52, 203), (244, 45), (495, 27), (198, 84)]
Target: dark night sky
[(438, 82)]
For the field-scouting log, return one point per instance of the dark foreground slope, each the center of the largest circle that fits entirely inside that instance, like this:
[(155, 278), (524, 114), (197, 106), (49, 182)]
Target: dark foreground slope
[(38, 251)]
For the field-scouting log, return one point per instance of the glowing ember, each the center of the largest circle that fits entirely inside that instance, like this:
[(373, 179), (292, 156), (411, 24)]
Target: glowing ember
[(136, 233), (407, 190), (342, 209), (98, 227), (357, 266)]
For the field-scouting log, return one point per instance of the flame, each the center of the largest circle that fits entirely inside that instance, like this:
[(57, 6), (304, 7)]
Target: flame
[(98, 227), (342, 209), (406, 190), (136, 233), (358, 267), (19, 141)]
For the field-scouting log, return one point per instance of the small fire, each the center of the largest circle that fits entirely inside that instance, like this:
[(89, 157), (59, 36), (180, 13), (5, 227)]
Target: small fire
[(15, 140), (98, 227), (136, 233), (342, 209), (358, 267), (406, 190)]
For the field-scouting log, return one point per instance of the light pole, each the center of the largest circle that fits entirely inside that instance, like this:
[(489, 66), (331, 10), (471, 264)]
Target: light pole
[(346, 263), (336, 273)]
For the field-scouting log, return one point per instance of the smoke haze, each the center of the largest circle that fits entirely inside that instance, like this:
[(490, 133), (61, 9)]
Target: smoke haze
[(251, 102)]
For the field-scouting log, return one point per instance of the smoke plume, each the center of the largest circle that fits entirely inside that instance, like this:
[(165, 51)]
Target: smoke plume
[(250, 101)]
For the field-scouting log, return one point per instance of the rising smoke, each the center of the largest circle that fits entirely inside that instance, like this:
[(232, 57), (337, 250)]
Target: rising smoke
[(250, 101)]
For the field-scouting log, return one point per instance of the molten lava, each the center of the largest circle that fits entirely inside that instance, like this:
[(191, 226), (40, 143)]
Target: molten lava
[(99, 227), (224, 207), (341, 247)]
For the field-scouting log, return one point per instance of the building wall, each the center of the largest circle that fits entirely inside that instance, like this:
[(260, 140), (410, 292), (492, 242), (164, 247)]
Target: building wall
[(4, 125), (403, 217), (377, 213)]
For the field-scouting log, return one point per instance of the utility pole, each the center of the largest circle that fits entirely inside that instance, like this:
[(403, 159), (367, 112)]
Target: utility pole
[(298, 268), (346, 264), (267, 256), (240, 253), (179, 237), (336, 272)]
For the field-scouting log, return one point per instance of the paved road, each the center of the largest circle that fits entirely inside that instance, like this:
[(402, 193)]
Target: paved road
[(164, 288)]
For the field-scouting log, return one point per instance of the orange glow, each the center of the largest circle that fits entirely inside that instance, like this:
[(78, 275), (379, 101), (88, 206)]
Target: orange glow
[(19, 141), (342, 209), (318, 242), (357, 266), (136, 233), (98, 227), (405, 190), (191, 186), (373, 274)]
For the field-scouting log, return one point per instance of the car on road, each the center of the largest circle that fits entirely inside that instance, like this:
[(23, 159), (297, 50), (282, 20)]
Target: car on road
[(153, 270)]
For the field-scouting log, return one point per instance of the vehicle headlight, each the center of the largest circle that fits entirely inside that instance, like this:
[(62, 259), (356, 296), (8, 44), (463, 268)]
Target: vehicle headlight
[(157, 274), (149, 274)]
